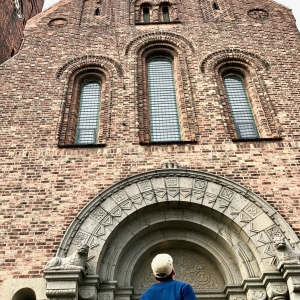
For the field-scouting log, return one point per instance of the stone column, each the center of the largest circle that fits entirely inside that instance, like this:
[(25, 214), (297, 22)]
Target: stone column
[(88, 289), (107, 290), (291, 273), (62, 284)]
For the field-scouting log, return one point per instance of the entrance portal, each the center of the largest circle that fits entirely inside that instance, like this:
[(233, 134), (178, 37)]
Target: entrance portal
[(219, 234)]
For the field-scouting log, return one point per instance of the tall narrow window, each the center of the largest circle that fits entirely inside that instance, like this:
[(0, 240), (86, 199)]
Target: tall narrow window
[(216, 6), (164, 122), (240, 107), (87, 124), (165, 11), (146, 15)]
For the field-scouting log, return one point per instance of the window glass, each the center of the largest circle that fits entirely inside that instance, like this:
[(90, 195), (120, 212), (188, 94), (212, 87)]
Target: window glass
[(240, 107), (163, 107), (87, 124), (146, 15), (165, 11)]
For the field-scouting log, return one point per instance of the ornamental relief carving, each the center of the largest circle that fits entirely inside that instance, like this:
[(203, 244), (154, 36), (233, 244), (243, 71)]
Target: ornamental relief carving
[(190, 266), (110, 208)]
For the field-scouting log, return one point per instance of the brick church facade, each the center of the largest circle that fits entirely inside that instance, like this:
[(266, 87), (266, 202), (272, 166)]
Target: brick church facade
[(131, 128)]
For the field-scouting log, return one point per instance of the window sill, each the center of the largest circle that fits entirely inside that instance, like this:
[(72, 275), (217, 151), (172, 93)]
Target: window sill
[(258, 140), (167, 143), (158, 23), (82, 146)]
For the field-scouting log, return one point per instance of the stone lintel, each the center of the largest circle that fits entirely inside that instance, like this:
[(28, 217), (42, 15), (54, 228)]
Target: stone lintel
[(252, 283)]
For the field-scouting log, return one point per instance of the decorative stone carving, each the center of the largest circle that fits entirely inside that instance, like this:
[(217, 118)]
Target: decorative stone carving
[(61, 293), (87, 293), (285, 255), (102, 215), (258, 14), (190, 266), (77, 261), (256, 294), (277, 290)]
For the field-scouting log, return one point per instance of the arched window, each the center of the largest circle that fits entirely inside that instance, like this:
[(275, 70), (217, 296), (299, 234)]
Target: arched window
[(97, 11), (240, 107), (24, 294), (165, 13), (164, 122), (215, 6), (146, 15), (88, 115)]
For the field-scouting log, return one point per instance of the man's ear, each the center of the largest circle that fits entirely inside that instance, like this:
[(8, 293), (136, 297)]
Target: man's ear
[(173, 272)]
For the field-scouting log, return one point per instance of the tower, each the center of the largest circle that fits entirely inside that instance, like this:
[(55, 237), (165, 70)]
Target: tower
[(14, 15), (140, 127)]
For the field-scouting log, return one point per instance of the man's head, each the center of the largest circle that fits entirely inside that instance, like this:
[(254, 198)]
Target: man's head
[(162, 266)]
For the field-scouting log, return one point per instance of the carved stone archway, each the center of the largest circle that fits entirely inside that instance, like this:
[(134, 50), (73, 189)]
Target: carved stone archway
[(220, 234)]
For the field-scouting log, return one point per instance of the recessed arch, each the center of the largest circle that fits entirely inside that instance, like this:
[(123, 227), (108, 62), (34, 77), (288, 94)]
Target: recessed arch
[(24, 294)]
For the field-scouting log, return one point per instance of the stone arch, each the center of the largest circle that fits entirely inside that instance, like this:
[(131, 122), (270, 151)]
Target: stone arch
[(238, 207), (209, 63), (226, 229)]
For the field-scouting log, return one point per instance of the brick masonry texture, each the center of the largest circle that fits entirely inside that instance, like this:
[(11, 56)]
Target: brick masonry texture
[(44, 186), (11, 26)]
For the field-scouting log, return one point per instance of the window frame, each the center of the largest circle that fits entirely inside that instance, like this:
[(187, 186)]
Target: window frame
[(151, 91), (81, 111), (246, 100), (164, 15), (185, 108), (143, 8), (70, 108), (265, 122)]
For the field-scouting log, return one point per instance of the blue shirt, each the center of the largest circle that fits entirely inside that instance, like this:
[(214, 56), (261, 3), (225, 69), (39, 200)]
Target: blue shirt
[(169, 290)]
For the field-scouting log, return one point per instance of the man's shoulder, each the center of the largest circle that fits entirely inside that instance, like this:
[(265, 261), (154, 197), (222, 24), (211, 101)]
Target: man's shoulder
[(180, 282)]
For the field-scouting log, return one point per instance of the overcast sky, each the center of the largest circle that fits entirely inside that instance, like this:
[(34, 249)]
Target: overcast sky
[(293, 4)]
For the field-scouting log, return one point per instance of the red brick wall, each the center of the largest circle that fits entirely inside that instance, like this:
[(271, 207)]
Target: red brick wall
[(43, 186), (11, 26)]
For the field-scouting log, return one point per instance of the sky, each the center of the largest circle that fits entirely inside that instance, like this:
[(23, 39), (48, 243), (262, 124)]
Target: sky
[(293, 4)]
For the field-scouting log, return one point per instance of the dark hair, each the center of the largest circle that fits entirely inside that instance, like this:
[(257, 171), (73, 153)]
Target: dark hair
[(165, 278)]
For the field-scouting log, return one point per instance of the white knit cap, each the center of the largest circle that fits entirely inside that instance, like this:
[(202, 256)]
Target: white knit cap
[(162, 265)]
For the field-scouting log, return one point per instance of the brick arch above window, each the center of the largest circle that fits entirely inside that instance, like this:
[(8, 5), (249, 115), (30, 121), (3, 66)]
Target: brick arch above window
[(108, 64), (254, 60), (152, 38), (254, 71)]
